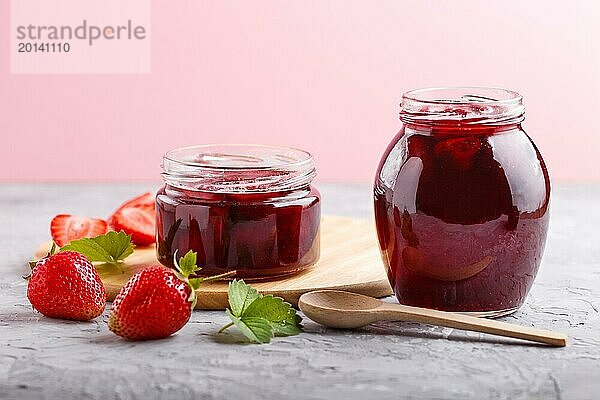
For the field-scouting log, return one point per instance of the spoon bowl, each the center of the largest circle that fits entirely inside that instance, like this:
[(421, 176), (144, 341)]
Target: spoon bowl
[(345, 310), (332, 307)]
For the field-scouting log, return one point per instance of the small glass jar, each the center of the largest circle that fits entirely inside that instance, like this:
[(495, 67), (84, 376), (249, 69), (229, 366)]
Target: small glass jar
[(461, 202), (247, 208)]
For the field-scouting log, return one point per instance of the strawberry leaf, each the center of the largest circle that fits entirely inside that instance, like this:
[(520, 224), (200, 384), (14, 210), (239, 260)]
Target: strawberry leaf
[(241, 296), (195, 283), (111, 247), (258, 330), (280, 314), (187, 264), (259, 317), (53, 249)]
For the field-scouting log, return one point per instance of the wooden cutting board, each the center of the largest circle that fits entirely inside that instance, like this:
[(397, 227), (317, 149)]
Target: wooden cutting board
[(349, 261)]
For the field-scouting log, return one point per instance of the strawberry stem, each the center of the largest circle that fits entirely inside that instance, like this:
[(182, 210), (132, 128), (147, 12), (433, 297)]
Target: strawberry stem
[(225, 327), (219, 277)]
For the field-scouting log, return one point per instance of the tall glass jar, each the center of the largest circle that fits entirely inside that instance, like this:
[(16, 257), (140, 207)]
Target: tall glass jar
[(248, 208), (461, 202)]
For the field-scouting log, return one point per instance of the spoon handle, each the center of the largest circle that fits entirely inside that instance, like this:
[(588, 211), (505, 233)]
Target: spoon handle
[(469, 323)]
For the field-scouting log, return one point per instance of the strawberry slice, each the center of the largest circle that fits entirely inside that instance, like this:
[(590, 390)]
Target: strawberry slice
[(65, 228), (136, 218), (135, 221), (145, 201)]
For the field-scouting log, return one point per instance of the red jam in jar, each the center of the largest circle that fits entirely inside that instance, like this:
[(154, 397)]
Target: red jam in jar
[(462, 202), (247, 208)]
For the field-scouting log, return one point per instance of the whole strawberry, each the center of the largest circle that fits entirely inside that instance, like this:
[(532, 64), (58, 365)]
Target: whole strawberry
[(157, 301), (153, 304), (66, 285)]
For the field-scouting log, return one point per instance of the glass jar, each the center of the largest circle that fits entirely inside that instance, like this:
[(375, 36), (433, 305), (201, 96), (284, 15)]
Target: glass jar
[(461, 202), (248, 208)]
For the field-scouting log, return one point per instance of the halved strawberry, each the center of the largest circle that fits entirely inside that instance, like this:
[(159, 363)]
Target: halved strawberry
[(136, 217), (135, 221), (66, 227), (144, 200)]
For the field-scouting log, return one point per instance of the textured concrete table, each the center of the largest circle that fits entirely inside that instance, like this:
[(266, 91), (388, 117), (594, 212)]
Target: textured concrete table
[(42, 358)]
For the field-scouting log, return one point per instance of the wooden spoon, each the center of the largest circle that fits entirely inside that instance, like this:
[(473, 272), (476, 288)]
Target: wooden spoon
[(338, 309)]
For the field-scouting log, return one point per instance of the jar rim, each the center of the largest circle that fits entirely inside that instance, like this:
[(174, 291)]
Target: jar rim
[(462, 105), (306, 157), (238, 168)]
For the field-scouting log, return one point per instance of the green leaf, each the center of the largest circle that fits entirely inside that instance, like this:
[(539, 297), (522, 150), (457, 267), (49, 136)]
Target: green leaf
[(52, 249), (280, 314), (89, 248), (259, 317), (187, 263), (258, 330), (186, 266), (241, 296), (111, 247), (195, 283), (285, 329), (118, 244)]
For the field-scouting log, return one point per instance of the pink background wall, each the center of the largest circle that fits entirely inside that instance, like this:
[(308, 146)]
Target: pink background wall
[(323, 75)]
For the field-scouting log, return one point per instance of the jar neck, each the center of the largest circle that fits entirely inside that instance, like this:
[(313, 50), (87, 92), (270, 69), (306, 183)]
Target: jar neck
[(238, 169), (462, 108), (246, 197), (462, 130)]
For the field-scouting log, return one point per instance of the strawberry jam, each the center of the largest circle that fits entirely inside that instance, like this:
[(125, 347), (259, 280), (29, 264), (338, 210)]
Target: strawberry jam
[(461, 202), (246, 208)]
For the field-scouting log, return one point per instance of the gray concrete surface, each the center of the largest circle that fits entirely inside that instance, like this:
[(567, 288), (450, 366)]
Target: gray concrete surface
[(42, 358)]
